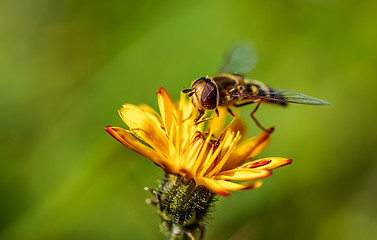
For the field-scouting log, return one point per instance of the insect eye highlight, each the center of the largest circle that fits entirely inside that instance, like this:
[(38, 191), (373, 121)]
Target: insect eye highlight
[(197, 81)]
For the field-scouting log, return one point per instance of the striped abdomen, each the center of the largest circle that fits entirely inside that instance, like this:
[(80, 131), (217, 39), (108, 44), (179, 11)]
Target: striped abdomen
[(257, 90)]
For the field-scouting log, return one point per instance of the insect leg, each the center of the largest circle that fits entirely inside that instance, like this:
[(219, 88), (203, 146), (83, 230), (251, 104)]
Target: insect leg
[(230, 112), (201, 113), (254, 119), (206, 119), (230, 123), (244, 104)]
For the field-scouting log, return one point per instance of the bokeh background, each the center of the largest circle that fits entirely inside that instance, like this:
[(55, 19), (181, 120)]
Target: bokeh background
[(67, 66)]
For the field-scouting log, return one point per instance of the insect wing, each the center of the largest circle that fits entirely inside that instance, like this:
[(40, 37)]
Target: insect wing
[(239, 59), (282, 95)]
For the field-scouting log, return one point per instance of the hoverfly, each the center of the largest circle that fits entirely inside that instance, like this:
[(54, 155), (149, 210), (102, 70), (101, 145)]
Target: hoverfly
[(231, 89)]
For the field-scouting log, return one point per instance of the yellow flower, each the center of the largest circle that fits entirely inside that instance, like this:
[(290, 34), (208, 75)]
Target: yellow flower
[(212, 158)]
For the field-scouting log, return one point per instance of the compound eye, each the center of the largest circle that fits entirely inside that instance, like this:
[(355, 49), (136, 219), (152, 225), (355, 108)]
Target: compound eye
[(197, 81), (210, 96)]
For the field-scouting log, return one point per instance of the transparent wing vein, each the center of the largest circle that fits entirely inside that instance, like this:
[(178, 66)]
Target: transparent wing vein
[(239, 59)]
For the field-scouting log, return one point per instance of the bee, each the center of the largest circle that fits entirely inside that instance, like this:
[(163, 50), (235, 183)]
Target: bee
[(231, 89)]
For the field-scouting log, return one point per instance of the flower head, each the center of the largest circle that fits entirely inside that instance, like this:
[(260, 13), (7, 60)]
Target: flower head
[(211, 157)]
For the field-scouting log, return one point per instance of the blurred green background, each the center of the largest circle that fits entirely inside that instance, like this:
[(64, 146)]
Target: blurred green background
[(67, 66)]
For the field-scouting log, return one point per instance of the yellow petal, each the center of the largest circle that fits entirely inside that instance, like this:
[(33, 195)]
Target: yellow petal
[(247, 150), (187, 113), (230, 142), (243, 175), (239, 126), (224, 188), (167, 109), (147, 126), (205, 151), (266, 163), (212, 185), (186, 108), (183, 171), (216, 125), (212, 160), (129, 141), (231, 186), (146, 108)]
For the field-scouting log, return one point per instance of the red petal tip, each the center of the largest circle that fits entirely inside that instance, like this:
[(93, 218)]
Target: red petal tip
[(108, 129), (223, 193), (160, 89)]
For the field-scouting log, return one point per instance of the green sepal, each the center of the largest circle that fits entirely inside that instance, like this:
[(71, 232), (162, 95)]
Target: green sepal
[(183, 207)]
